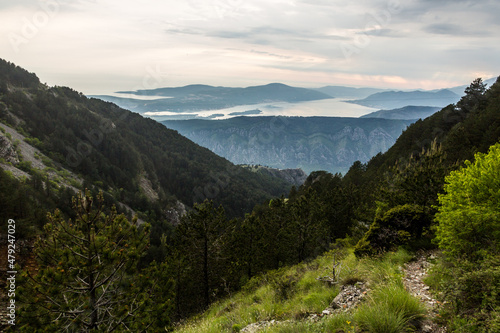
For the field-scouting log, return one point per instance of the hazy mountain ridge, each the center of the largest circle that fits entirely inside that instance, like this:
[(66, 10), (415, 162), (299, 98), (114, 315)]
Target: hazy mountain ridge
[(309, 143), (410, 112), (399, 99), (349, 92), (203, 97)]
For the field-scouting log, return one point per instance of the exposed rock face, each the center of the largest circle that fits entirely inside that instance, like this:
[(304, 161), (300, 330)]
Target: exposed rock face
[(7, 150), (312, 143), (174, 214), (147, 187), (295, 177), (316, 152)]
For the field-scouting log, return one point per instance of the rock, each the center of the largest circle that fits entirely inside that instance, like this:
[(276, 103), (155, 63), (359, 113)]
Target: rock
[(7, 150), (349, 297)]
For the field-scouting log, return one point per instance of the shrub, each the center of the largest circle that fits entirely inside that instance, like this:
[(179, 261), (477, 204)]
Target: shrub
[(398, 226), (283, 284), (469, 220)]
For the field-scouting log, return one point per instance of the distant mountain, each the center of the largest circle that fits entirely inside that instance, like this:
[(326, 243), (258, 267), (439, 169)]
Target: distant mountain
[(134, 160), (408, 112), (202, 97), (309, 143), (348, 92), (398, 99)]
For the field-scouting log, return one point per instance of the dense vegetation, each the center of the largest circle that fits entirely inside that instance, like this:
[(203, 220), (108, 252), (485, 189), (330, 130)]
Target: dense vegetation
[(398, 201)]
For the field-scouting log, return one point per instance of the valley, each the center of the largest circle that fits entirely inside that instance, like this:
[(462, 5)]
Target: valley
[(309, 143), (179, 238)]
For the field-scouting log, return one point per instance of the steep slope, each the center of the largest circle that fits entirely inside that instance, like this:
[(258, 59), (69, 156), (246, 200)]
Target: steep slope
[(132, 158), (309, 143)]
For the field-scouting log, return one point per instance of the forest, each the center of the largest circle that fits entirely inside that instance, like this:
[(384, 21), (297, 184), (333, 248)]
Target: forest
[(99, 270)]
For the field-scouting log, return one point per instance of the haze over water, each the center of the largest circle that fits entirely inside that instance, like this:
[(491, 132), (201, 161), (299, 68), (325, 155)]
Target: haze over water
[(324, 108)]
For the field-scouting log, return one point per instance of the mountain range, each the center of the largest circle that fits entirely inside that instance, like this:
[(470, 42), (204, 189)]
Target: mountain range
[(399, 99), (408, 112), (203, 97), (309, 143)]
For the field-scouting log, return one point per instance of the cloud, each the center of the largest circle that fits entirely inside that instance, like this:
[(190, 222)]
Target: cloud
[(453, 30), (384, 33), (217, 41)]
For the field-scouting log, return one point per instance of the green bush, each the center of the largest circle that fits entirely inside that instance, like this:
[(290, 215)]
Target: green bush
[(400, 225), (471, 291), (24, 165), (468, 216), (35, 142), (283, 284)]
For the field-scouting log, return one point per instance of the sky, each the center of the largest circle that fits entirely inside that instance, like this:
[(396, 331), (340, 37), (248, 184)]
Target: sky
[(103, 46)]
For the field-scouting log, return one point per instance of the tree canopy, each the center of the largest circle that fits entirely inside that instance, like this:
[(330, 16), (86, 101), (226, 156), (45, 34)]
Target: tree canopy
[(468, 217)]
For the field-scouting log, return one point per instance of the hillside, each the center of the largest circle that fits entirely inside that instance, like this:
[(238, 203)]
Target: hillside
[(136, 160), (363, 296), (386, 208), (309, 143), (202, 97)]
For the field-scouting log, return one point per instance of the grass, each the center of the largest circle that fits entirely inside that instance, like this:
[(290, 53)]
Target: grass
[(291, 294), (390, 309)]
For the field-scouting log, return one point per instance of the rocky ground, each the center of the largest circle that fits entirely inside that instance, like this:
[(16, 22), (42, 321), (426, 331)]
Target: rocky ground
[(414, 273)]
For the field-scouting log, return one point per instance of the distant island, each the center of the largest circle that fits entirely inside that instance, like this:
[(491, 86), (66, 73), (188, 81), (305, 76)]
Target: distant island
[(246, 113)]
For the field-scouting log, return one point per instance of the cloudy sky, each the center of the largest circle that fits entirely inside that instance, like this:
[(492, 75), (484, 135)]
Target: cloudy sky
[(101, 46)]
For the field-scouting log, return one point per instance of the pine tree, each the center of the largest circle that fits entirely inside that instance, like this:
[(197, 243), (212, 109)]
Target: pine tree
[(474, 95), (88, 278), (201, 239)]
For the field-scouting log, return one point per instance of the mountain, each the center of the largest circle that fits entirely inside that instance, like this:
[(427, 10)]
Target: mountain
[(408, 112), (202, 97), (348, 92), (135, 160), (309, 143), (399, 99)]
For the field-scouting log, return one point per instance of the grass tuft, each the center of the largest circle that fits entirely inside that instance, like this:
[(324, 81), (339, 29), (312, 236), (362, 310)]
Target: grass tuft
[(390, 309)]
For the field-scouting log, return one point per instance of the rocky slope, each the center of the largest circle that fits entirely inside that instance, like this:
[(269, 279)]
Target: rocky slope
[(309, 143)]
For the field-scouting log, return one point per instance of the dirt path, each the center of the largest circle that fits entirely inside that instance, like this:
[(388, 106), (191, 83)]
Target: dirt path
[(414, 273)]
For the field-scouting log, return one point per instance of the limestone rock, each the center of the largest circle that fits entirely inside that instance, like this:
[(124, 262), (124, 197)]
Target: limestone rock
[(7, 150)]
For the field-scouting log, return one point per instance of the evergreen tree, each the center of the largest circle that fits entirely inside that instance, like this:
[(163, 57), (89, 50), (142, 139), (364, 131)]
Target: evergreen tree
[(200, 244), (474, 95), (87, 276)]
